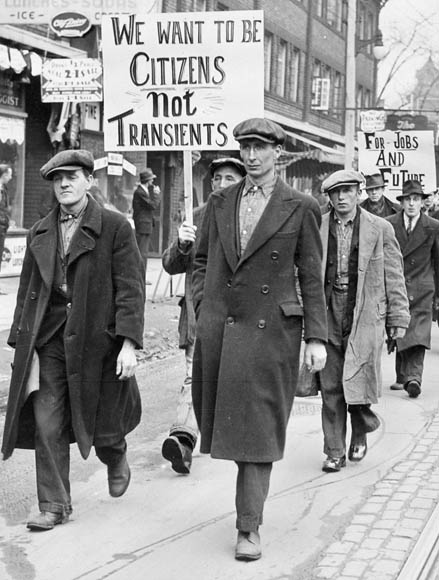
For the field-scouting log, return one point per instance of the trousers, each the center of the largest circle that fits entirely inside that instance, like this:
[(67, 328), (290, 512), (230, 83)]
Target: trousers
[(252, 485), (143, 241), (185, 424), (52, 413), (409, 364)]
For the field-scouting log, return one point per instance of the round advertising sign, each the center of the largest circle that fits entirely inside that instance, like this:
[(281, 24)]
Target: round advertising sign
[(70, 24)]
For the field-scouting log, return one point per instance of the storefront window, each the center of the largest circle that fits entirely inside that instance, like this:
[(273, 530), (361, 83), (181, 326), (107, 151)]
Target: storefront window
[(12, 153)]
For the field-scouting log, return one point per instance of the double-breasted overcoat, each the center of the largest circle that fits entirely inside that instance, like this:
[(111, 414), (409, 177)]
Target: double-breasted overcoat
[(380, 302), (105, 305), (250, 321), (420, 253)]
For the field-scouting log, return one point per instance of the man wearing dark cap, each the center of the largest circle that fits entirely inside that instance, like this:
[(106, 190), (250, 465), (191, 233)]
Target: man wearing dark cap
[(179, 259), (257, 236), (77, 323), (376, 202), (418, 237), (365, 295), (146, 200)]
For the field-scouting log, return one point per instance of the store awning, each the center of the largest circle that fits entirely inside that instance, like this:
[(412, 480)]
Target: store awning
[(32, 41)]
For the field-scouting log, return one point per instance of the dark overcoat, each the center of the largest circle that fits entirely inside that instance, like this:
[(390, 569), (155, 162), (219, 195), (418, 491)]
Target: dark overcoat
[(144, 204), (389, 207), (420, 252), (249, 321), (106, 294), (177, 261)]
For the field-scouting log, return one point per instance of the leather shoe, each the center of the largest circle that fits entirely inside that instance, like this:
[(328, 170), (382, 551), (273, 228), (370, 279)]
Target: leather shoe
[(119, 476), (179, 454), (333, 464), (248, 546), (396, 386), (357, 448), (45, 521), (413, 389)]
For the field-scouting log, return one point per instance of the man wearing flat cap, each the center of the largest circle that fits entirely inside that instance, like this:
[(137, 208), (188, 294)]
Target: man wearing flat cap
[(257, 236), (178, 258), (376, 202), (418, 237), (365, 295), (77, 323), (146, 200)]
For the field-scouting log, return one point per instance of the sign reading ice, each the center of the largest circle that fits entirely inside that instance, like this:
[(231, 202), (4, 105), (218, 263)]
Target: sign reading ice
[(181, 81)]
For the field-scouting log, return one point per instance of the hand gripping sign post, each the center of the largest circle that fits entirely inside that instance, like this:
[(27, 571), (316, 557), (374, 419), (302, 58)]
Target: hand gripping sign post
[(181, 81)]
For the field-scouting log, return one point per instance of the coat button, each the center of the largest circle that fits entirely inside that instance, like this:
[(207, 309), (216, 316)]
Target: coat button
[(33, 295), (265, 289), (68, 305), (261, 324), (410, 297), (275, 255), (230, 321), (229, 283)]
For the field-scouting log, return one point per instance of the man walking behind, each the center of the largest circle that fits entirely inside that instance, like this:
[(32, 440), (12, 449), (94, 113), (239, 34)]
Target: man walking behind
[(376, 202), (364, 288), (146, 199), (249, 319), (77, 323), (418, 237), (179, 259)]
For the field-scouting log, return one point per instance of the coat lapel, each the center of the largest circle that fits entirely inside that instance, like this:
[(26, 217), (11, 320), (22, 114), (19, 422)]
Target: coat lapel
[(367, 242), (43, 246), (225, 202), (84, 239), (417, 237), (279, 208)]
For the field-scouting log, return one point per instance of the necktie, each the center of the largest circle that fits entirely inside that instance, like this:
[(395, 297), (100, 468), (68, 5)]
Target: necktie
[(409, 226)]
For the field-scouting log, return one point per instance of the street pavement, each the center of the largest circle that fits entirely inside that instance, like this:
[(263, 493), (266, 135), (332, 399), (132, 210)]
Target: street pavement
[(362, 523)]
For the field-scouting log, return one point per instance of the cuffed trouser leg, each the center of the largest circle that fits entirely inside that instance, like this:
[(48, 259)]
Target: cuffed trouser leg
[(185, 425), (411, 364), (252, 485), (111, 454), (52, 430), (334, 408)]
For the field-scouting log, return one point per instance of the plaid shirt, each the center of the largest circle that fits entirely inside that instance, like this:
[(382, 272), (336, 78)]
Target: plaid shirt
[(344, 239), (253, 201)]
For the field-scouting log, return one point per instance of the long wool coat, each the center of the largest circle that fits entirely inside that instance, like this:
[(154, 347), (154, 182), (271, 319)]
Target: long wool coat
[(420, 252), (381, 301), (249, 321), (106, 304)]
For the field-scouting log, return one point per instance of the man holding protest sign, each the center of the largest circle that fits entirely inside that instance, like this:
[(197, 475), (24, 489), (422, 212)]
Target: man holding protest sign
[(418, 237), (178, 259), (256, 237)]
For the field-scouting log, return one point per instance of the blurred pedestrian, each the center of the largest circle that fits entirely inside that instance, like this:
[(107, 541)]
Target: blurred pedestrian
[(418, 237), (5, 208), (77, 323), (429, 205), (249, 319), (146, 200), (178, 258), (365, 295), (376, 202)]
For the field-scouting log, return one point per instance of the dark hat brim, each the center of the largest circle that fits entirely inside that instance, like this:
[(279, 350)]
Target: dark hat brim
[(256, 136), (49, 174), (337, 185), (403, 195)]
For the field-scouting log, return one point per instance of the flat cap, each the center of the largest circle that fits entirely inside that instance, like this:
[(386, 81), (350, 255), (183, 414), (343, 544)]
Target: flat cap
[(411, 186), (262, 129), (374, 180), (222, 161), (342, 177), (68, 160)]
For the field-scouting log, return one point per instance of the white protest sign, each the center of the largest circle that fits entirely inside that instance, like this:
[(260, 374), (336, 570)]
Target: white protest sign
[(181, 81), (398, 156)]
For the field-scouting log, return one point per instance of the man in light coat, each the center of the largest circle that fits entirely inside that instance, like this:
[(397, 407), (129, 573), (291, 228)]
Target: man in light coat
[(418, 237), (255, 236), (178, 258), (365, 295), (77, 323)]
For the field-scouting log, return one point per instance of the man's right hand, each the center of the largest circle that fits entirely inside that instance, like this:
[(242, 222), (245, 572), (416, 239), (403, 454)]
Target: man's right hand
[(186, 234)]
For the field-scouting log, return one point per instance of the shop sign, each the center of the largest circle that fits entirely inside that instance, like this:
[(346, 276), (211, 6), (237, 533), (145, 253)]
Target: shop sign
[(398, 156), (43, 11), (13, 255), (70, 24), (179, 80), (91, 116), (11, 94), (407, 123), (71, 79), (371, 121)]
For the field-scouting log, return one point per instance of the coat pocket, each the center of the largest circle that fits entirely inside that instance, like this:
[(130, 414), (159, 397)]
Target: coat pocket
[(291, 309)]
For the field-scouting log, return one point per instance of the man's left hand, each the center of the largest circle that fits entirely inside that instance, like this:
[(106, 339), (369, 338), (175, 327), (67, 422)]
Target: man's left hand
[(315, 356), (126, 361), (395, 332)]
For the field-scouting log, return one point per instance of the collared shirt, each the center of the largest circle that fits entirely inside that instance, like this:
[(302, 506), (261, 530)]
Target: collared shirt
[(414, 221), (254, 199), (67, 226), (344, 240)]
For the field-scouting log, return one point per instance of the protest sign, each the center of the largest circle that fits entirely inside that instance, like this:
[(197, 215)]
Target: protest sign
[(181, 81), (398, 156)]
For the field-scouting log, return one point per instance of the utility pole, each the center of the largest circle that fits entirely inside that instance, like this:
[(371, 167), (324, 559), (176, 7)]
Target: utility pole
[(350, 95)]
